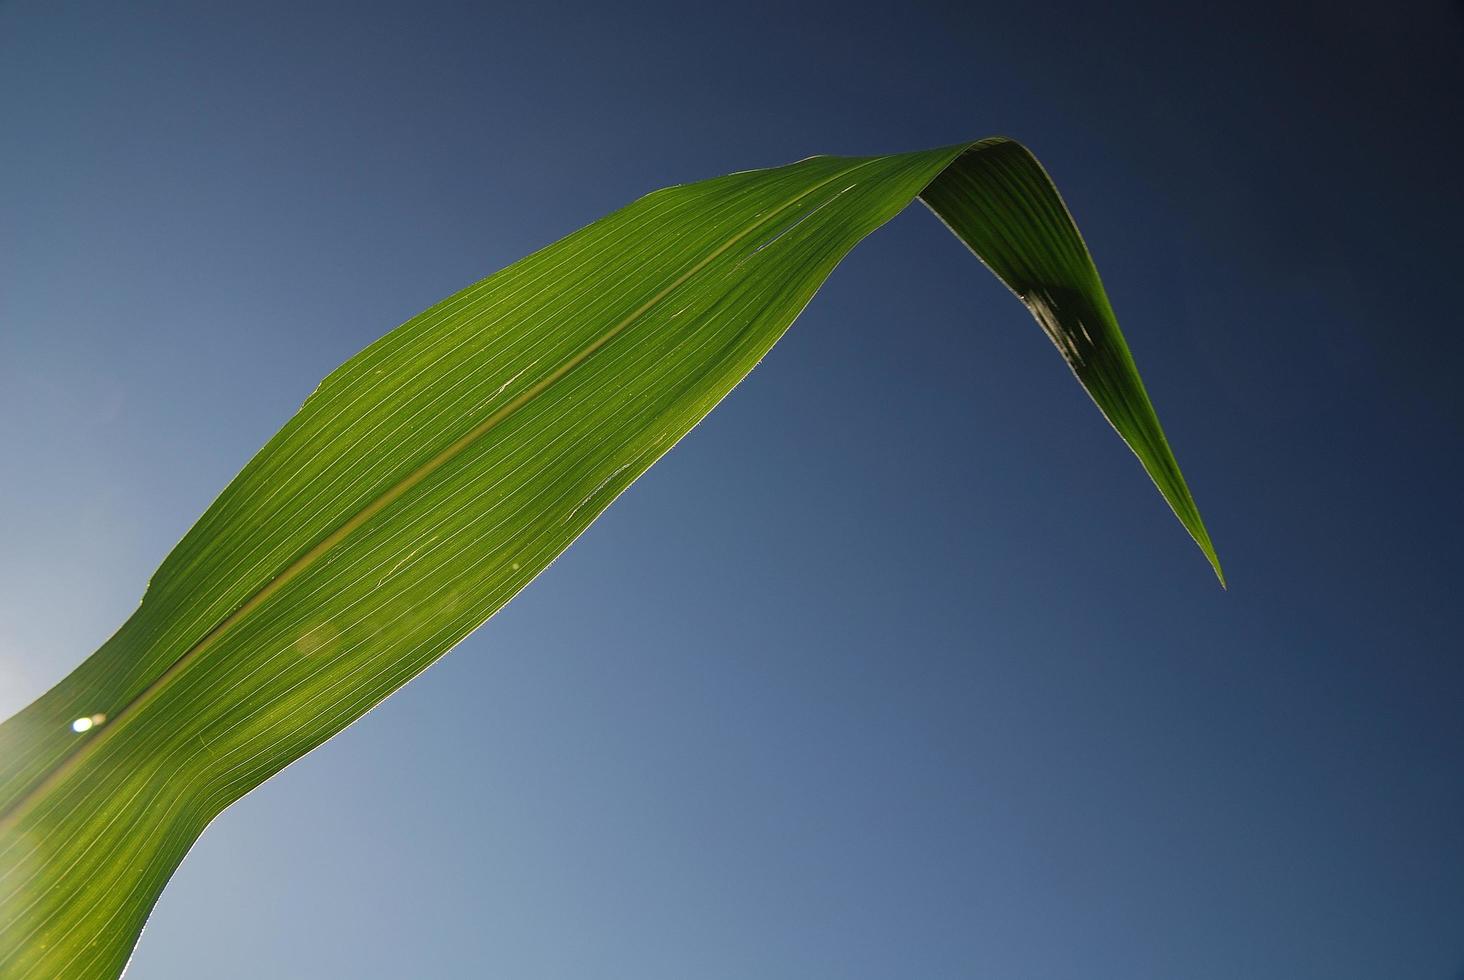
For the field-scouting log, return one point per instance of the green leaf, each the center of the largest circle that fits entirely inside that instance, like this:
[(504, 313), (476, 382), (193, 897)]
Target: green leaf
[(432, 476)]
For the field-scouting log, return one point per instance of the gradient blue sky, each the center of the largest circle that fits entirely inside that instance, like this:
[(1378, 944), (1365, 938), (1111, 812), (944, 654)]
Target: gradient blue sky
[(898, 667)]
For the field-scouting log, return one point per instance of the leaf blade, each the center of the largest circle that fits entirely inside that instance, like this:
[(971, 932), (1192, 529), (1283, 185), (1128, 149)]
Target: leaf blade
[(418, 489)]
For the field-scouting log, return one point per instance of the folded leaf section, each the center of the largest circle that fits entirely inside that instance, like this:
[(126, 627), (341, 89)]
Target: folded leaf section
[(1000, 201)]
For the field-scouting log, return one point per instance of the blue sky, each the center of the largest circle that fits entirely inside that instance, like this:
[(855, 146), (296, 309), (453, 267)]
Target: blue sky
[(898, 666)]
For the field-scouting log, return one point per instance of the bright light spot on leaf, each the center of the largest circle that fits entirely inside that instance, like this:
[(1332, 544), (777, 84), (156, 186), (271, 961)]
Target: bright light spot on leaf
[(87, 724), (323, 638)]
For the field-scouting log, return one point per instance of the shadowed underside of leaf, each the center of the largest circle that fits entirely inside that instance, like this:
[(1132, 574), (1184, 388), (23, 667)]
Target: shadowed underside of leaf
[(432, 476)]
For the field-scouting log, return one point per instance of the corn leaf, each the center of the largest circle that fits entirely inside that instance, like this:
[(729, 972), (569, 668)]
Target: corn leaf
[(433, 475)]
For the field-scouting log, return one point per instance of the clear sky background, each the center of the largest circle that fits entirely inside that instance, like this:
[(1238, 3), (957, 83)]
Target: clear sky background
[(898, 666)]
